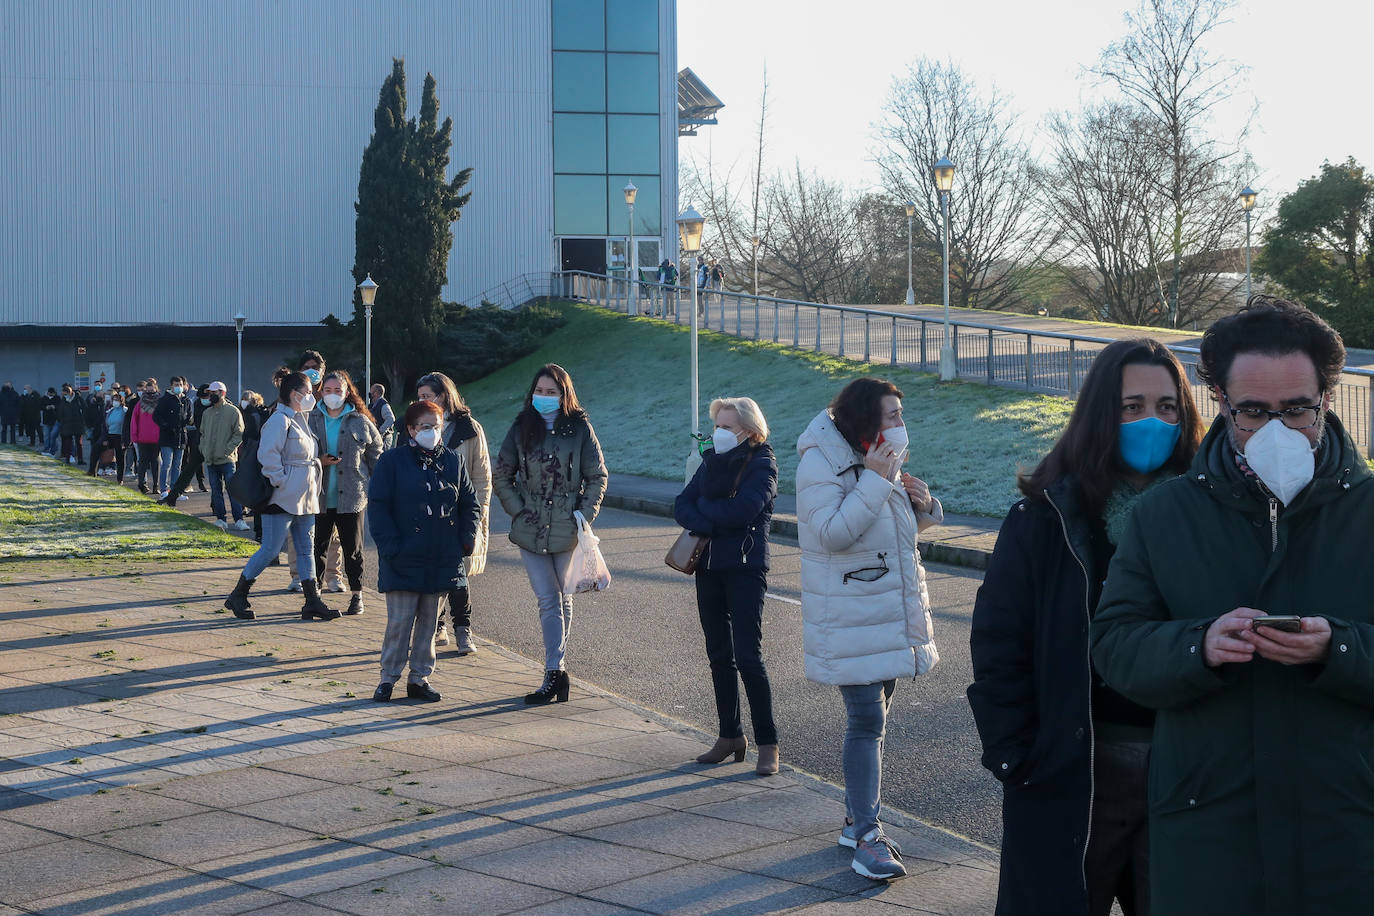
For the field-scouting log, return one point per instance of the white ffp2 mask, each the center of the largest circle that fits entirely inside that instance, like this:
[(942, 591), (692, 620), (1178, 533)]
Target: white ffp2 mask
[(1282, 458), (723, 440)]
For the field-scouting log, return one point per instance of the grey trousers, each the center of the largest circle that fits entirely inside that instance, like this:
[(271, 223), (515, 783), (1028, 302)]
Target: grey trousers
[(410, 619), (546, 572)]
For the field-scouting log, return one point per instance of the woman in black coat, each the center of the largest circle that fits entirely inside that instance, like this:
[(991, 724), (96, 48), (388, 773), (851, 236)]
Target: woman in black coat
[(1070, 752), (730, 500)]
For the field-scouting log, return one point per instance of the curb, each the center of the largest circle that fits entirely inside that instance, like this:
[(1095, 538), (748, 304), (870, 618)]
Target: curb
[(785, 526)]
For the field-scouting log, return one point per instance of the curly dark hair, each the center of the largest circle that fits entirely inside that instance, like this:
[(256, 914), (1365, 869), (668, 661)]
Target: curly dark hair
[(1274, 327), (858, 409)]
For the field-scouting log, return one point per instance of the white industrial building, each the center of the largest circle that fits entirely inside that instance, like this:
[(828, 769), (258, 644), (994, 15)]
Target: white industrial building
[(168, 164)]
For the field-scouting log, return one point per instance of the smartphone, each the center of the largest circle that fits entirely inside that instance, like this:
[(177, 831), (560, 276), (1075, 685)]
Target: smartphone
[(1288, 623)]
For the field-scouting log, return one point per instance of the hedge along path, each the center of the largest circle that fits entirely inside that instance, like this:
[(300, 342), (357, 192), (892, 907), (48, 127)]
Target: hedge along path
[(50, 510)]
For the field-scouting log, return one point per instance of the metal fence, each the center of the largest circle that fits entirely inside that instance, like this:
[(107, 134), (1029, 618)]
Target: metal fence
[(1044, 362)]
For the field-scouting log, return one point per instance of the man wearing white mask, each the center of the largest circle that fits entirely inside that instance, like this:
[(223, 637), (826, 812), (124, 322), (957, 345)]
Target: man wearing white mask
[(1237, 606)]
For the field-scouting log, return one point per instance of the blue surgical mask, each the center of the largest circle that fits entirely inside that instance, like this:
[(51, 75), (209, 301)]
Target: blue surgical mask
[(1146, 444), (177, 389), (313, 375), (546, 404)]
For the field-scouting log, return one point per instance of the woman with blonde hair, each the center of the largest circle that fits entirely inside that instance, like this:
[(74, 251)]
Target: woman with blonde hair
[(730, 500)]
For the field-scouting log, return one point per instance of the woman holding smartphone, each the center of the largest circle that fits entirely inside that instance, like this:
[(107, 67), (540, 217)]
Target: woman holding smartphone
[(1070, 752), (549, 467), (865, 611)]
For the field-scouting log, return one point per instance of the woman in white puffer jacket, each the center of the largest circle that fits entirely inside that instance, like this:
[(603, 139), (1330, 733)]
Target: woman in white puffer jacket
[(865, 610)]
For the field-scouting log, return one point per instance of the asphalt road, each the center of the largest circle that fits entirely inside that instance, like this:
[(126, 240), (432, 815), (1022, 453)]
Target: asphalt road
[(641, 639)]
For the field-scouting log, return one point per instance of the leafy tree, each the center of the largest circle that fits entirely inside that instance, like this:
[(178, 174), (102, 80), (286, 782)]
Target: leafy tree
[(406, 207), (1320, 248)]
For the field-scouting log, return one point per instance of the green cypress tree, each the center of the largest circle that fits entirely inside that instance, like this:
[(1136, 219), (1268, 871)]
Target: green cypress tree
[(406, 208)]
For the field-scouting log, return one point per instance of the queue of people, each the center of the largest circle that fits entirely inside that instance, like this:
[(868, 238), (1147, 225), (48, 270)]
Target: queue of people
[(1172, 662)]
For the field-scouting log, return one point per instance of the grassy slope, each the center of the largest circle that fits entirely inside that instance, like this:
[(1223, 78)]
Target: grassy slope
[(632, 376), (53, 510)]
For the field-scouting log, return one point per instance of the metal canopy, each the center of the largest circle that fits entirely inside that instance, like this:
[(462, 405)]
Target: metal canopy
[(696, 104)]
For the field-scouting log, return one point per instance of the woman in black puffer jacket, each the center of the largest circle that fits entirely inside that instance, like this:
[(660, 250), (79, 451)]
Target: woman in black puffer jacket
[(730, 500)]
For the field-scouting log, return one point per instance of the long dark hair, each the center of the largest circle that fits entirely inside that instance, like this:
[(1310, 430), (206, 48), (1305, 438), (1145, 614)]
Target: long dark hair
[(858, 409), (351, 396), (449, 400), (1088, 448), (531, 421)]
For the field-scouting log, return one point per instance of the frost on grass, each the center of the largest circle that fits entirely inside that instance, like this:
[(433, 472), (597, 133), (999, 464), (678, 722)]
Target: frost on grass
[(50, 510)]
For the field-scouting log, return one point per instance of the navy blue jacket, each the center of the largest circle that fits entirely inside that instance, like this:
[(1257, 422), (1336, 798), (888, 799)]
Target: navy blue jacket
[(423, 516), (738, 525)]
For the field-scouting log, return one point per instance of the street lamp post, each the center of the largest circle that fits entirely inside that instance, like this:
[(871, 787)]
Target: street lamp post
[(944, 181), (368, 290), (757, 241), (1247, 203), (910, 214), (689, 226), (631, 261), (239, 321)]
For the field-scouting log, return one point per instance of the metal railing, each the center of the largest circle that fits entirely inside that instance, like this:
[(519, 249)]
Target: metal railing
[(1044, 362)]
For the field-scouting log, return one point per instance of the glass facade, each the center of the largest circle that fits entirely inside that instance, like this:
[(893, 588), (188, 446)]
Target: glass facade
[(606, 128)]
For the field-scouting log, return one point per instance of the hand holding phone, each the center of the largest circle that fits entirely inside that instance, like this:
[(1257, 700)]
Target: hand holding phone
[(1288, 623)]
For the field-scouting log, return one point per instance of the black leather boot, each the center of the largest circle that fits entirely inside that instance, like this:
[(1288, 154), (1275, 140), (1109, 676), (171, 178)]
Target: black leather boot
[(553, 690), (238, 600), (314, 608)]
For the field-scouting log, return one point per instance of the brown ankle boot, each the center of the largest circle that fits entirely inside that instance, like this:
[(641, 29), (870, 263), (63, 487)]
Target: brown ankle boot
[(768, 760), (723, 748)]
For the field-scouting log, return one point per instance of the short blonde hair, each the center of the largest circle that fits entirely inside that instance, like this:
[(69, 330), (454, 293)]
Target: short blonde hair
[(252, 397), (750, 416)]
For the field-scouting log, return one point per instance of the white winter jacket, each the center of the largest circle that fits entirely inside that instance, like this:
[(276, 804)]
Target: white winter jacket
[(860, 625)]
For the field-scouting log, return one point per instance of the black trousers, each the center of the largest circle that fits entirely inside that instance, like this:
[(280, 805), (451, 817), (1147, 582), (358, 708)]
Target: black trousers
[(149, 457), (192, 465), (110, 441), (350, 528), (1118, 860), (71, 447), (9, 431), (459, 607), (730, 605)]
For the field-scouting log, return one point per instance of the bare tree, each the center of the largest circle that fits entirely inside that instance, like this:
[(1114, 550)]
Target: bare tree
[(935, 110), (1163, 66), (813, 246)]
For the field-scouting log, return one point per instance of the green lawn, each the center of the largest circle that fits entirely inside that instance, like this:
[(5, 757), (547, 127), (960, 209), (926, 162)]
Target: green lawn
[(53, 510), (967, 440)]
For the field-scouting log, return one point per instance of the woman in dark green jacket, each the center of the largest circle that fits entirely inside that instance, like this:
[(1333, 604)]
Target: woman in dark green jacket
[(550, 466)]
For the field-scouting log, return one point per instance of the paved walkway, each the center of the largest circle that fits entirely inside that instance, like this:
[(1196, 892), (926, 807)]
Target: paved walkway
[(157, 756)]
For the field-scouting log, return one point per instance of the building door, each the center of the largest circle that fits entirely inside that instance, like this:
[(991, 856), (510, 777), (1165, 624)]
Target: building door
[(646, 258), (584, 254)]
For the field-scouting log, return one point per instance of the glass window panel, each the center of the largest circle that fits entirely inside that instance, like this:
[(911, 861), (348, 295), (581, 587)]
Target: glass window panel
[(579, 204), (632, 144), (632, 25), (647, 218), (579, 81), (579, 143), (632, 82), (579, 25)]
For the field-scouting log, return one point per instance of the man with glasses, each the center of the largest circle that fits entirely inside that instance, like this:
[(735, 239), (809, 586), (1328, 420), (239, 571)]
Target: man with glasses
[(1240, 606)]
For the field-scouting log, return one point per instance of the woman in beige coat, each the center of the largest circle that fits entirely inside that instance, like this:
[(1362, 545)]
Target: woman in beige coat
[(290, 462), (464, 435)]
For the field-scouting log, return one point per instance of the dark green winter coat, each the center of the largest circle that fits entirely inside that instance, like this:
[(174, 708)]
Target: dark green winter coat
[(541, 488), (1261, 774)]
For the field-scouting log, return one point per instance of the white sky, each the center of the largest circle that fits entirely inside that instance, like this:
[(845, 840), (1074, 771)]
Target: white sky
[(831, 62)]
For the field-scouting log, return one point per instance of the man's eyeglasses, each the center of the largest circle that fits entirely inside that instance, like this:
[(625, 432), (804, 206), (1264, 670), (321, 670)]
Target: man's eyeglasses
[(1250, 419)]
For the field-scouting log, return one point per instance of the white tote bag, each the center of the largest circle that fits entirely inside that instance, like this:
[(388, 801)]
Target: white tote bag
[(587, 572)]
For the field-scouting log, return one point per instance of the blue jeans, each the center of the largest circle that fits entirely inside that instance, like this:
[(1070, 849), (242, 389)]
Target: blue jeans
[(170, 469), (50, 437), (220, 475), (275, 526), (866, 705), (546, 572)]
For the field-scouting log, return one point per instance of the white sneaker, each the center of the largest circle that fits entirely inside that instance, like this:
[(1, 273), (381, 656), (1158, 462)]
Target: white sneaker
[(335, 585), (241, 525), (221, 524), (71, 460), (295, 585), (464, 637), (182, 496), (161, 494), (441, 635)]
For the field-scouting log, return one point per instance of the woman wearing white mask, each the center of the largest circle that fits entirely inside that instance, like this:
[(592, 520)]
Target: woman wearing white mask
[(865, 611), (730, 501), (290, 462), (349, 445), (549, 467)]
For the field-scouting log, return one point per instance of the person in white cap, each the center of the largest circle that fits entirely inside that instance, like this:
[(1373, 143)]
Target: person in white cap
[(221, 431)]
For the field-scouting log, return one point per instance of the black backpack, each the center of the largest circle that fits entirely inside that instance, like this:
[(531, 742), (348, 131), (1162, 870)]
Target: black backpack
[(249, 485)]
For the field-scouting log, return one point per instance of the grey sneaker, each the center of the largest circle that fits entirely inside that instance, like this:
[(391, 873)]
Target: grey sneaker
[(463, 636), (441, 635), (848, 836), (877, 857), (295, 585)]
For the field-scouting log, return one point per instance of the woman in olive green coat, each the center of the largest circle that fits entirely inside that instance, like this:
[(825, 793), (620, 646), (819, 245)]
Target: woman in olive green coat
[(550, 466)]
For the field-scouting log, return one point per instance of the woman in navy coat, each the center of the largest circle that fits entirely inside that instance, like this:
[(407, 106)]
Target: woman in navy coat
[(423, 515), (730, 500)]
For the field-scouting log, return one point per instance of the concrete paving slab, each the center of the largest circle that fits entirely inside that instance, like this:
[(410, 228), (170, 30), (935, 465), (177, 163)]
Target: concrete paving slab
[(17, 835), (241, 786), (459, 786), (572, 864), (356, 764), (564, 768), (337, 808), (202, 837), (567, 811), (176, 892), (678, 790), (462, 748), (663, 748), (701, 888), (803, 812), (450, 838), (314, 867), (89, 815), (819, 862), (436, 891), (689, 836), (952, 890), (34, 872)]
